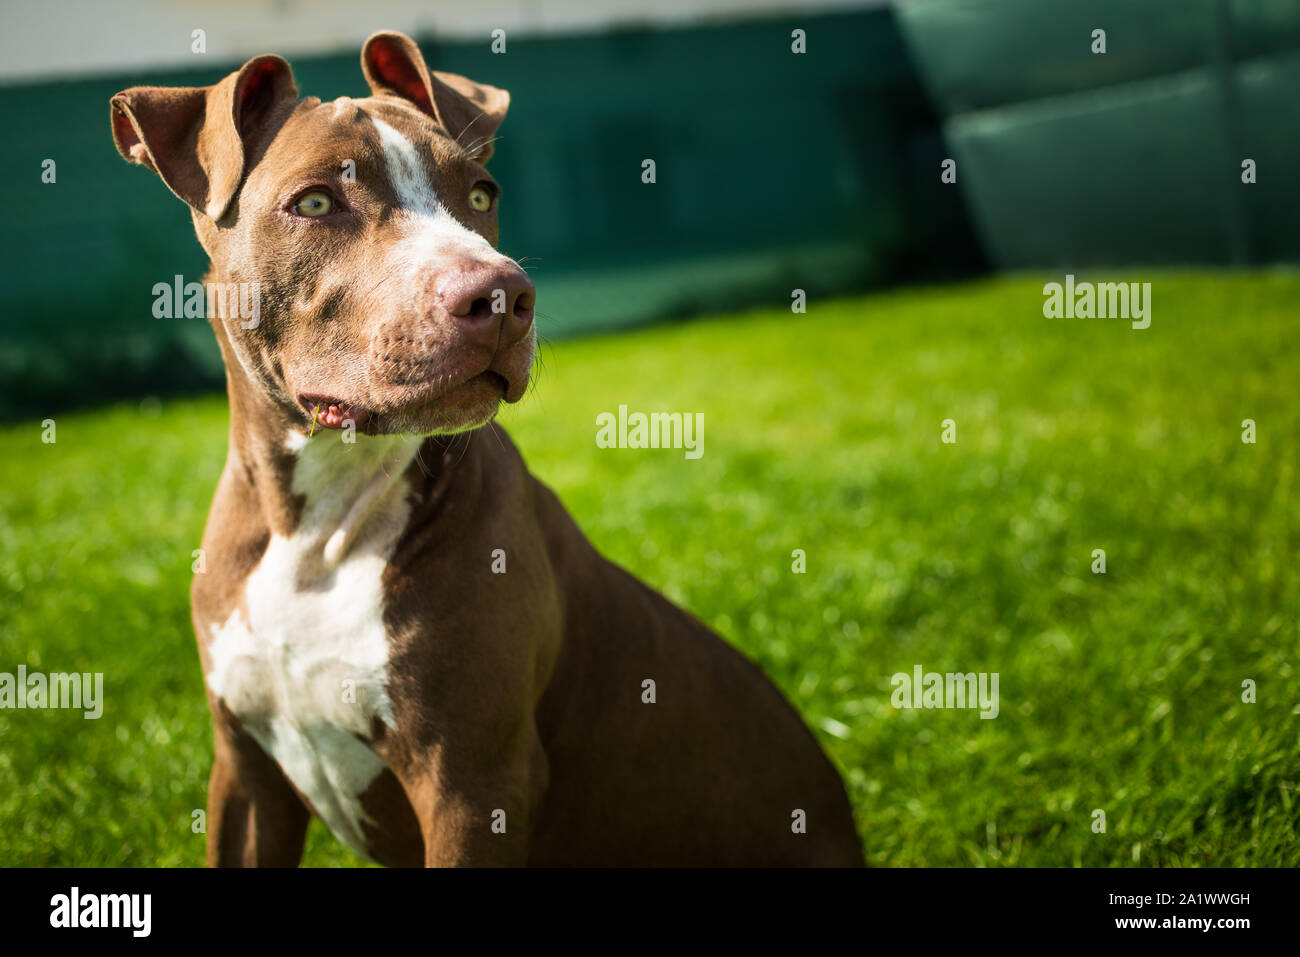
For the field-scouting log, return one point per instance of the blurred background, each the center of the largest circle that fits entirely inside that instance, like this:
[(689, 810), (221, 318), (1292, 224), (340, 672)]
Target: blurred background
[(776, 171)]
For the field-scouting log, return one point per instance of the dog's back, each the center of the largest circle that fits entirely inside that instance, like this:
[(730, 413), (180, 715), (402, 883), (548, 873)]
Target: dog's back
[(708, 765)]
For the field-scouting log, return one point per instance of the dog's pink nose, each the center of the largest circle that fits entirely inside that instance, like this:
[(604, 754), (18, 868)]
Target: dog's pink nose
[(483, 295)]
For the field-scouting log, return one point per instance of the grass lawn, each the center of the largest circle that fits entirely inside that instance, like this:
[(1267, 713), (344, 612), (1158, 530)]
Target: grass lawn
[(1119, 691)]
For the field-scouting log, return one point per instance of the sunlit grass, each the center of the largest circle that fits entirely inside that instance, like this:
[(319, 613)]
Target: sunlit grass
[(1119, 692)]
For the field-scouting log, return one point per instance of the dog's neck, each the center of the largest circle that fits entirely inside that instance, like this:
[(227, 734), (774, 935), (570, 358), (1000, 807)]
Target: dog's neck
[(347, 486), (323, 487)]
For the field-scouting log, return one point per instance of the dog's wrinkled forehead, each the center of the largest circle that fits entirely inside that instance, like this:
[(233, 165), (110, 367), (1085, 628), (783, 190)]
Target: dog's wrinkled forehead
[(397, 154)]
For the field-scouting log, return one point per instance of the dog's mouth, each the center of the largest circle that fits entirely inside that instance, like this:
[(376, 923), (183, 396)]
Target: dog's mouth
[(492, 377), (331, 412)]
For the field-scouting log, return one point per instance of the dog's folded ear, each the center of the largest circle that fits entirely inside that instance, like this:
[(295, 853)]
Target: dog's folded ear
[(195, 138), (470, 112)]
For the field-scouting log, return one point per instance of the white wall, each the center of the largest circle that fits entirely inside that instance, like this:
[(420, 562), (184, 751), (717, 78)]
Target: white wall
[(43, 39)]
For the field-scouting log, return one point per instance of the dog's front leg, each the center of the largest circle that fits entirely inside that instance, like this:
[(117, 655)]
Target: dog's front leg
[(476, 813), (254, 817)]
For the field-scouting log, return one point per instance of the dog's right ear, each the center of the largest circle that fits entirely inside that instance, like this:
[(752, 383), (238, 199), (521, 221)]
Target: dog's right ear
[(193, 137)]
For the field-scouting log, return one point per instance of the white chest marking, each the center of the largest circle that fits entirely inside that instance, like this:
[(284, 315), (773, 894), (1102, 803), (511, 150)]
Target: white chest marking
[(306, 670)]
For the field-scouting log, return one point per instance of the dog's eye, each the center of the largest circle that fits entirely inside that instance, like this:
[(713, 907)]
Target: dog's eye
[(480, 198), (313, 203)]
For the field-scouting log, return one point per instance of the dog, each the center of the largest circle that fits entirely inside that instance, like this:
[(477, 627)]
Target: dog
[(365, 658)]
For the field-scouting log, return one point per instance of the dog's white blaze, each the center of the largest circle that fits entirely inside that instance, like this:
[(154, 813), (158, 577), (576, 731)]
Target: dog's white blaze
[(306, 668), (430, 234), (406, 173)]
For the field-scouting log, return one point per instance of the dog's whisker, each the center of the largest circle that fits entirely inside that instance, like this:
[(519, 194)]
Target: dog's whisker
[(480, 143)]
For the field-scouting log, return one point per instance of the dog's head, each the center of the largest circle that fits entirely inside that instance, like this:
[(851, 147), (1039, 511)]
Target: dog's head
[(367, 229)]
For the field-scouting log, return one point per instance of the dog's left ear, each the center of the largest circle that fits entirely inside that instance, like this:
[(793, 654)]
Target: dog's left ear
[(470, 112)]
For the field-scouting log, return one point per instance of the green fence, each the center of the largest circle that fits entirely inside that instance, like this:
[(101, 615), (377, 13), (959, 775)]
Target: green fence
[(775, 171), (1070, 158)]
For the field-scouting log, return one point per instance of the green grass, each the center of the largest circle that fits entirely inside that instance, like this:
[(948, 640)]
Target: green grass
[(1119, 691)]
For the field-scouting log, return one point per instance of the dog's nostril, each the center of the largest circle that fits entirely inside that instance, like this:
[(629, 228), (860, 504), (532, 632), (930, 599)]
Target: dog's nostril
[(480, 308)]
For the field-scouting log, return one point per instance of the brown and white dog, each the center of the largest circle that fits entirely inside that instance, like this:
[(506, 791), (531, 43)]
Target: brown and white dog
[(363, 661)]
